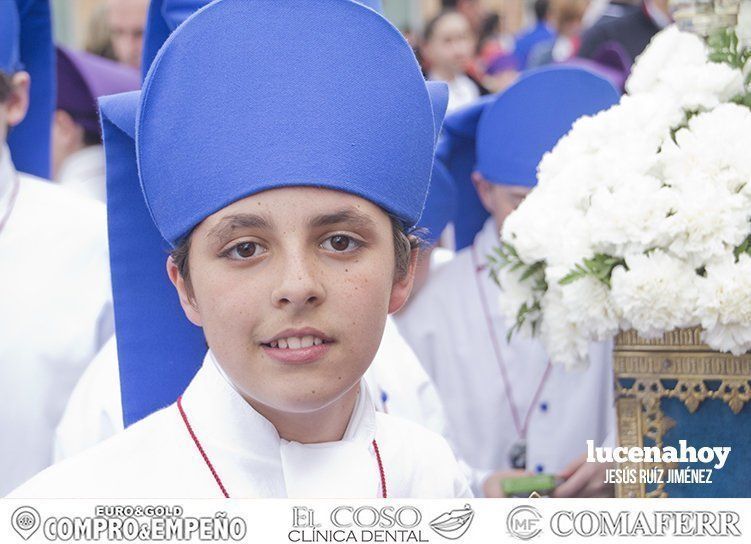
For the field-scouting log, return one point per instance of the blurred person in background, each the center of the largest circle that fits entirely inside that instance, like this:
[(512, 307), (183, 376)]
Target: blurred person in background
[(540, 31), (566, 18), (55, 309), (447, 52), (98, 40), (77, 152), (602, 11), (493, 41), (628, 34), (473, 10), (127, 20)]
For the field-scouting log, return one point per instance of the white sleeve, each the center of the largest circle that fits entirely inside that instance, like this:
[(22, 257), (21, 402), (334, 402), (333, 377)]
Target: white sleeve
[(94, 410)]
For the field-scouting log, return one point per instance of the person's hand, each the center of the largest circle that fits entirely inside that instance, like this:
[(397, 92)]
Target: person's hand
[(584, 479), (491, 487)]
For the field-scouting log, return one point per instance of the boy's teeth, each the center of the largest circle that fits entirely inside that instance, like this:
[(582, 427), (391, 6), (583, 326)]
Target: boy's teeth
[(296, 342)]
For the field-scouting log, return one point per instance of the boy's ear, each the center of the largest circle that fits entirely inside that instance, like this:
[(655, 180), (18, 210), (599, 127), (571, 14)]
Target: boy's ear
[(402, 288), (17, 103), (186, 300), (484, 189)]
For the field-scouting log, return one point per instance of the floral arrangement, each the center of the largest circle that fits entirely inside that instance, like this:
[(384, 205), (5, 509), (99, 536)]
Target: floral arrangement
[(641, 218)]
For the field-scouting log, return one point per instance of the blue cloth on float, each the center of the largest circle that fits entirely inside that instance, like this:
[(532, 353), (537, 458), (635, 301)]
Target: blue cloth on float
[(341, 105)]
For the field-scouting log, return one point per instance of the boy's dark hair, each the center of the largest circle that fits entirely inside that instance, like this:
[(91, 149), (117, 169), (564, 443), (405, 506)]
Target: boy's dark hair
[(541, 9), (404, 244), (6, 86)]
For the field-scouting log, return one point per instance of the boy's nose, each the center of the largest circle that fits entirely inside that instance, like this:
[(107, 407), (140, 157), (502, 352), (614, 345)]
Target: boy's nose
[(299, 285)]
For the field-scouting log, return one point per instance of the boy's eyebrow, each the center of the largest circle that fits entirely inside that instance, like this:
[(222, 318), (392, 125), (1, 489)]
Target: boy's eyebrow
[(352, 217), (238, 221)]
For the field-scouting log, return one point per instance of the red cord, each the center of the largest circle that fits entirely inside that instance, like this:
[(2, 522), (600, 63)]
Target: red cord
[(521, 426), (380, 469), (200, 448)]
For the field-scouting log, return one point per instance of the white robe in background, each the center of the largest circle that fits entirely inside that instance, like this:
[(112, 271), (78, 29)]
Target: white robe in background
[(446, 326), (157, 457), (84, 173), (55, 312)]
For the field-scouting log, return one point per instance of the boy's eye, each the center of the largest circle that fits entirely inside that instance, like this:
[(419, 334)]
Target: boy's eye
[(244, 250), (340, 243)]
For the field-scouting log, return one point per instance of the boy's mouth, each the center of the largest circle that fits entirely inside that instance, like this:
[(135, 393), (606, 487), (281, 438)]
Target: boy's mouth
[(297, 346)]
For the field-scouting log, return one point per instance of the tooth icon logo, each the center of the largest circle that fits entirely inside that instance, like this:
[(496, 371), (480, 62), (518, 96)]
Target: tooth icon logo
[(25, 521), (452, 525)]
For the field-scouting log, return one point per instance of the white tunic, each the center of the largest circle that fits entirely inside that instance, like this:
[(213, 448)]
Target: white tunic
[(397, 383), (157, 457), (84, 173), (447, 328), (55, 312)]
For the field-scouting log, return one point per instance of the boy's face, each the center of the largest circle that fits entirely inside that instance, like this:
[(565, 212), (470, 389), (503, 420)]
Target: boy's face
[(13, 108), (499, 200), (292, 287)]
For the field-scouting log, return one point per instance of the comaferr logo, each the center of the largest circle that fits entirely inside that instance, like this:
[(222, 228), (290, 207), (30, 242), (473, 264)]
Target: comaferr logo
[(524, 522), (588, 523)]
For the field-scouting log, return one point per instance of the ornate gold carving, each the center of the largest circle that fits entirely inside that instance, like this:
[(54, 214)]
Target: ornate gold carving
[(681, 339), (678, 366)]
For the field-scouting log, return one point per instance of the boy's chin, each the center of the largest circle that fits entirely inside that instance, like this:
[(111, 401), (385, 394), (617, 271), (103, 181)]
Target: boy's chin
[(311, 402)]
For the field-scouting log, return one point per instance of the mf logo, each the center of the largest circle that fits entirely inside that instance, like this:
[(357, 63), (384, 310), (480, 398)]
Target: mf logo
[(524, 522)]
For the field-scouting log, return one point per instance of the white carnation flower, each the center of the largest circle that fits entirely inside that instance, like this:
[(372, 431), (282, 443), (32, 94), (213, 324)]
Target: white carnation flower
[(657, 293), (587, 300), (709, 221), (664, 50), (535, 229), (564, 342), (630, 217), (724, 304), (625, 139), (677, 63), (715, 146)]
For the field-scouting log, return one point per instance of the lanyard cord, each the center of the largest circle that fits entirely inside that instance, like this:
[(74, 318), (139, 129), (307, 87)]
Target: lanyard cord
[(521, 428), (215, 474)]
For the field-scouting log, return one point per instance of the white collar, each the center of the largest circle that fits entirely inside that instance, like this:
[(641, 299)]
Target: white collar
[(221, 417), (83, 164), (7, 179), (487, 239)]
